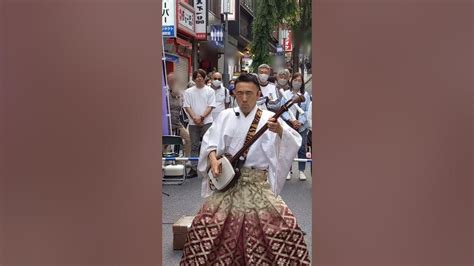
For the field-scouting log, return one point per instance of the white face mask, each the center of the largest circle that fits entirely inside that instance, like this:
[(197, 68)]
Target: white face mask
[(282, 82), (296, 85), (216, 83), (263, 77)]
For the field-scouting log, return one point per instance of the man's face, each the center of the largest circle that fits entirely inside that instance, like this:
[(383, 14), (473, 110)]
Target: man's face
[(246, 94), (263, 75), (217, 76), (264, 71), (216, 79), (199, 81)]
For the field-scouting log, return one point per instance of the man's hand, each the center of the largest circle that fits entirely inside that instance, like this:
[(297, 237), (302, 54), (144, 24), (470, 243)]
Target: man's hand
[(274, 126), (198, 121), (296, 124), (216, 165)]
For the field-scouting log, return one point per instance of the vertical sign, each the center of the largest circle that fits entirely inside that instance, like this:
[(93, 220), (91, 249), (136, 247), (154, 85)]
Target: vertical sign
[(288, 42), (200, 10), (168, 18), (186, 18), (228, 6), (217, 36)]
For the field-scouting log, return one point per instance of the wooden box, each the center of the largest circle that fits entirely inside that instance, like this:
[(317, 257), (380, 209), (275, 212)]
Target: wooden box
[(180, 231)]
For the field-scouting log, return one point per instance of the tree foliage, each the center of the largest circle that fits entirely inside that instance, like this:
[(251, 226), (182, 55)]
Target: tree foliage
[(301, 29), (296, 14), (269, 14)]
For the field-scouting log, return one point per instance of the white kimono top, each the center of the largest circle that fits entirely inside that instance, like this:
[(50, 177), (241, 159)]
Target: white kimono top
[(270, 152)]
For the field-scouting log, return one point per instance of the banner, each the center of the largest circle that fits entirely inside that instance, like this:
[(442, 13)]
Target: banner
[(200, 10), (186, 18), (168, 18)]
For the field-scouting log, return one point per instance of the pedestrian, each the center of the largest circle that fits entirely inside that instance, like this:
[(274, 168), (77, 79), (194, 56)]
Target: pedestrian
[(231, 86), (283, 80), (199, 101), (297, 119), (222, 95), (270, 100), (249, 223), (310, 132), (177, 113)]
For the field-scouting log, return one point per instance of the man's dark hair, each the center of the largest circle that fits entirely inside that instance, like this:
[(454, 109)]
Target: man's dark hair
[(200, 72), (247, 78)]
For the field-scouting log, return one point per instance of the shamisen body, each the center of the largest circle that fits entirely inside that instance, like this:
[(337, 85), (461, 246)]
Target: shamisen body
[(274, 151)]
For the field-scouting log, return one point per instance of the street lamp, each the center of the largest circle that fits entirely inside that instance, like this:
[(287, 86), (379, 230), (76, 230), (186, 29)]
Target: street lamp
[(226, 10)]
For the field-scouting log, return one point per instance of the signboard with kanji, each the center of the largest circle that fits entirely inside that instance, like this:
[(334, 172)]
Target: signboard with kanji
[(200, 10), (186, 18), (168, 18)]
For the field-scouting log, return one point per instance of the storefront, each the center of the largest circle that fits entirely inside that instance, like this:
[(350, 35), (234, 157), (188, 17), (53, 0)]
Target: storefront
[(178, 51)]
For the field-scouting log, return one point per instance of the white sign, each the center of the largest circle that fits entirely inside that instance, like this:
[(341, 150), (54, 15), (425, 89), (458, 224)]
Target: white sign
[(168, 18), (200, 10), (186, 18), (228, 6)]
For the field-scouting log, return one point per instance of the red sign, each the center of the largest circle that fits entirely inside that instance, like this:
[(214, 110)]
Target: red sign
[(288, 42)]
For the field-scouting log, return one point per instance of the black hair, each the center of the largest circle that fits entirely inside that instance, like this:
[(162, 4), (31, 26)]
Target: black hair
[(200, 72), (246, 77)]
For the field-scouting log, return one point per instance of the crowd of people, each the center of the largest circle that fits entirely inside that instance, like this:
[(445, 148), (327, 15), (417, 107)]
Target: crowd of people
[(195, 107)]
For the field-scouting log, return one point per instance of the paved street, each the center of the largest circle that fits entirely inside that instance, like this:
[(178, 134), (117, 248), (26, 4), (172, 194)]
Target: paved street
[(186, 200)]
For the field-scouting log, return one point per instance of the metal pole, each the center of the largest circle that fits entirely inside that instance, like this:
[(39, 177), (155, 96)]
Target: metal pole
[(225, 75), (163, 63)]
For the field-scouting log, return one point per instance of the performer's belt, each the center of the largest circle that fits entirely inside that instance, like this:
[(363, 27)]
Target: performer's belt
[(250, 174)]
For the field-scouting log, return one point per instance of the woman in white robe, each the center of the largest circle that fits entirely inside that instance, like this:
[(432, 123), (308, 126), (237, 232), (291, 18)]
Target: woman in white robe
[(248, 224)]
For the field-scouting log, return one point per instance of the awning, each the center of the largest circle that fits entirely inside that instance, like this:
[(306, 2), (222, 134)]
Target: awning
[(171, 58)]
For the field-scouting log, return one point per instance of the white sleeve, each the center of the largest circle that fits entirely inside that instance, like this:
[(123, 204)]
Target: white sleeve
[(187, 102), (212, 140), (211, 99), (281, 152), (310, 115)]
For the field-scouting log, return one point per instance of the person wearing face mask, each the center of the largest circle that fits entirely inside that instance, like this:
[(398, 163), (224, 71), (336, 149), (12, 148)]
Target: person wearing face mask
[(222, 95), (268, 89), (283, 80), (297, 120), (176, 110)]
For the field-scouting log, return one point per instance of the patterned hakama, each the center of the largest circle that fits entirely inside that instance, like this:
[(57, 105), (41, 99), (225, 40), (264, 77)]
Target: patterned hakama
[(245, 225)]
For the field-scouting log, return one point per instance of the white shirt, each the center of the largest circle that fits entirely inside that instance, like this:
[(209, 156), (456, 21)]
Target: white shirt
[(222, 97), (269, 91), (310, 115), (198, 100), (270, 152)]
